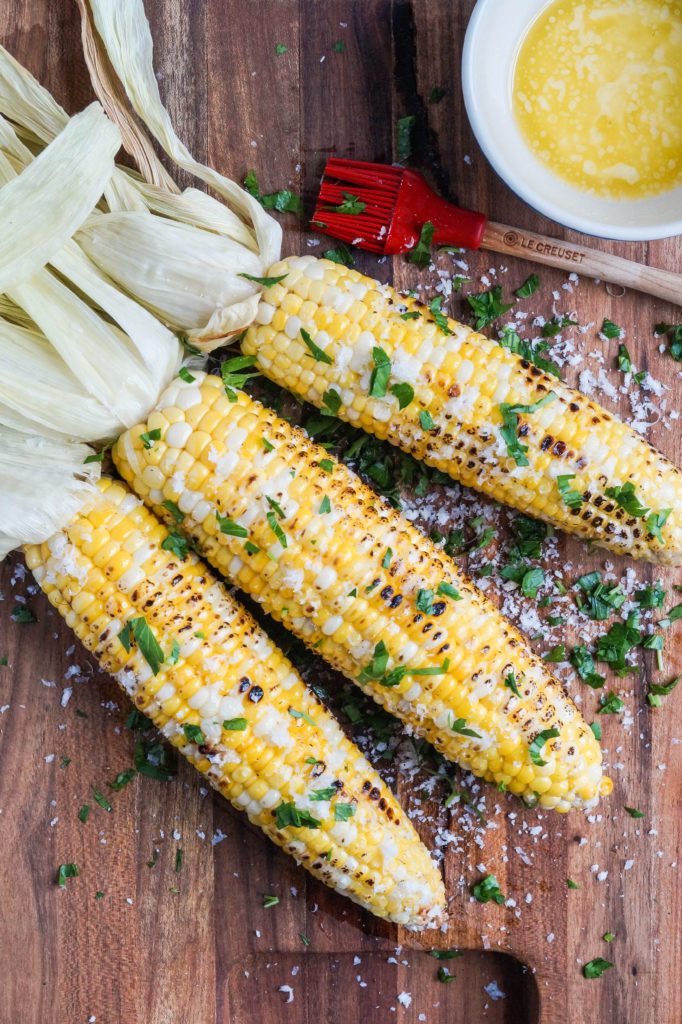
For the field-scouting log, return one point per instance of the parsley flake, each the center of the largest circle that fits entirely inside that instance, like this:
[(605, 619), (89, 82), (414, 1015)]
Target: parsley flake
[(535, 749)]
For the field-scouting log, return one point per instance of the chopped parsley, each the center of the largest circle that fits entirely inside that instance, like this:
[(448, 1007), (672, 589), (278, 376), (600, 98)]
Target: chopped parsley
[(287, 815), (437, 93), (448, 590), (671, 616), (269, 901), (235, 724), (276, 529), (656, 521), (341, 254), (100, 799), (404, 393), (595, 968), (600, 599), (138, 629), (624, 360), (650, 596), (553, 327), (426, 420), (459, 726), (626, 498), (280, 48), (326, 465), (674, 334), (488, 889), (179, 860), (284, 201), (510, 422), (331, 401), (122, 780), (342, 812), (176, 544), (154, 760), (171, 507), (351, 205), (425, 601), (377, 666), (633, 812), (234, 374), (659, 690), (66, 871), (571, 884), (403, 142), (315, 350), (596, 730), (610, 330), (439, 316), (529, 535), (229, 527), (531, 351), (275, 506), (149, 437), (23, 615), (295, 713), (84, 813), (194, 734), (325, 505), (570, 497), (608, 936), (444, 975), (535, 749), (583, 662), (614, 645), (378, 381), (267, 282), (324, 794), (529, 578), (510, 683), (174, 655), (339, 46), (610, 704), (529, 286), (556, 654), (445, 954), (420, 255), (488, 306)]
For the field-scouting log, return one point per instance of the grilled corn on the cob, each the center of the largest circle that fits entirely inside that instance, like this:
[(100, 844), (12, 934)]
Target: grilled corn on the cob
[(478, 412), (317, 548), (233, 705)]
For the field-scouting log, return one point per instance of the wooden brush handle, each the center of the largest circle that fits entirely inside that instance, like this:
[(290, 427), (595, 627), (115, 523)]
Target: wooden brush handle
[(568, 256)]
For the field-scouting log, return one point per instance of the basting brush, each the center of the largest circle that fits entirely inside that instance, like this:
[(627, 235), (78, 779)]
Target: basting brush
[(384, 208)]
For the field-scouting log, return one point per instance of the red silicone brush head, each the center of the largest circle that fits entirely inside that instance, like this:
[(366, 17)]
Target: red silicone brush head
[(397, 204)]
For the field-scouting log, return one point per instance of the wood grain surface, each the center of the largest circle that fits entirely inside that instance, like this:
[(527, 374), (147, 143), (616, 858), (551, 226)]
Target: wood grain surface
[(162, 946)]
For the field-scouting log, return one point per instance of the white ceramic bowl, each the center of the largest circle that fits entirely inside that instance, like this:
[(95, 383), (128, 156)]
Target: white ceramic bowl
[(492, 41)]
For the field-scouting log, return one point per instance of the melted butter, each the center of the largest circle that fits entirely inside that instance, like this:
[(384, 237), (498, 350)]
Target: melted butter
[(597, 94)]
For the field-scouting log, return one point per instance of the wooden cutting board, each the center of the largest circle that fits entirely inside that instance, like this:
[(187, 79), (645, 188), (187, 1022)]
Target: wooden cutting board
[(163, 946)]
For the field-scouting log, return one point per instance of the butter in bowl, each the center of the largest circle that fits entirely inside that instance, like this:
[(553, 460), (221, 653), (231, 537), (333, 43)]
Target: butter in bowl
[(577, 104)]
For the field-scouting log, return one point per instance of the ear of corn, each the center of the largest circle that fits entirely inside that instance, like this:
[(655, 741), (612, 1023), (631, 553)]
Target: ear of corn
[(316, 547), (476, 407), (233, 705)]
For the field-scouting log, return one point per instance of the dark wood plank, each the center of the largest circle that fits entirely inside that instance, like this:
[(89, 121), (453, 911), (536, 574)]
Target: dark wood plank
[(210, 949)]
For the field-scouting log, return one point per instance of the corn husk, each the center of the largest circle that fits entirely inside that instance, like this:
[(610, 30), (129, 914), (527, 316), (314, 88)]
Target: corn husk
[(41, 208), (43, 484), (111, 367)]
